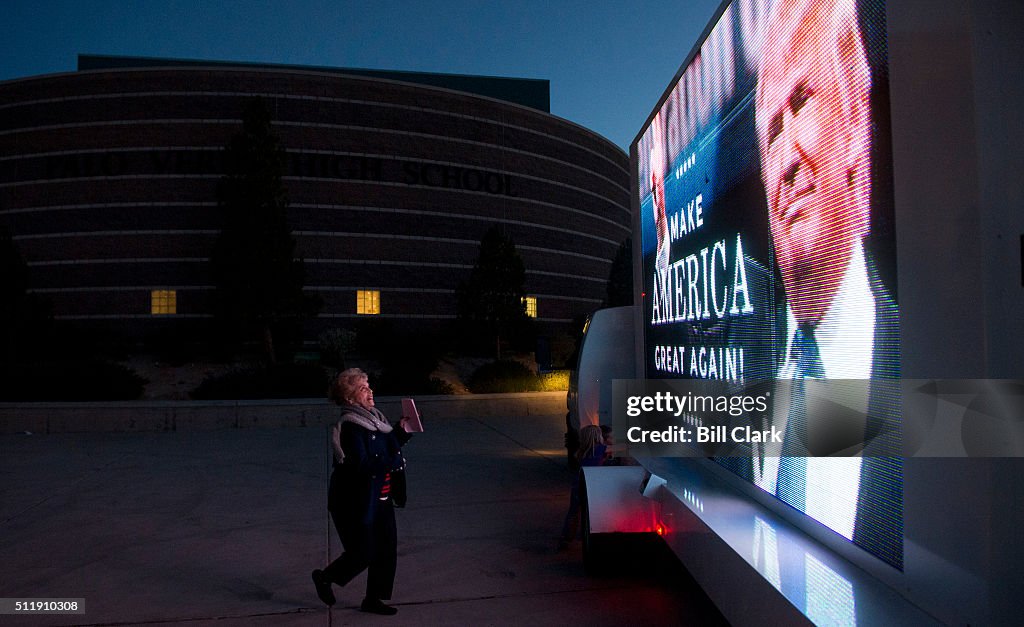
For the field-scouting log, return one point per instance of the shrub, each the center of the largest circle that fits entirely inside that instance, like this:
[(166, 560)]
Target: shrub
[(87, 380), (334, 345), (504, 375), (273, 381), (440, 386), (554, 381)]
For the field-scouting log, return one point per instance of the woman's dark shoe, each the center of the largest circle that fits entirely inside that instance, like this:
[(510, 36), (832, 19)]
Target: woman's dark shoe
[(376, 606), (323, 587)]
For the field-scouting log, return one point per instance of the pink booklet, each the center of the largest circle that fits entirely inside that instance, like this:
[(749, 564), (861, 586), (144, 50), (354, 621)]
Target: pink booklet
[(413, 424)]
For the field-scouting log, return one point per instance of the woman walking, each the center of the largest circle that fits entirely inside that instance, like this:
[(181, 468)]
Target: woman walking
[(368, 482)]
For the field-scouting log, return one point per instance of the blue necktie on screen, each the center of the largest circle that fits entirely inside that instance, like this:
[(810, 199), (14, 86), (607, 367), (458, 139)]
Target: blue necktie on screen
[(791, 484)]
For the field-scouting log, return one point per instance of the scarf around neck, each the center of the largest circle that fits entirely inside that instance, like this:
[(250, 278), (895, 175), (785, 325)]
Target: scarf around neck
[(370, 419)]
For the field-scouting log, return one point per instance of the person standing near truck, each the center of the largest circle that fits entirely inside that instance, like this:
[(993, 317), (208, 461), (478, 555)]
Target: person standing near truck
[(593, 451)]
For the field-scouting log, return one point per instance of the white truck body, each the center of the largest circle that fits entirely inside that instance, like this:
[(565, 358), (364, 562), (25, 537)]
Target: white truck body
[(607, 352), (959, 223)]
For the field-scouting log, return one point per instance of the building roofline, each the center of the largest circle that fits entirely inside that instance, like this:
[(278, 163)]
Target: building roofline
[(534, 93)]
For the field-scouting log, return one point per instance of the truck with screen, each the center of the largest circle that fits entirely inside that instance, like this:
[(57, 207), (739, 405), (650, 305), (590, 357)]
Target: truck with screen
[(825, 207)]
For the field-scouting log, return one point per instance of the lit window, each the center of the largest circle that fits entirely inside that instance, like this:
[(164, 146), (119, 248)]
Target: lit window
[(163, 302), (367, 302), (531, 306)]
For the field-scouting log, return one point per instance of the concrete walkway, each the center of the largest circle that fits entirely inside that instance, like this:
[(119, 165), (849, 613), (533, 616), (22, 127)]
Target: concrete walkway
[(223, 528)]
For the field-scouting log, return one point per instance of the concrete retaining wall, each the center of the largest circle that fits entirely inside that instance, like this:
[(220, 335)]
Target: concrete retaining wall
[(128, 416)]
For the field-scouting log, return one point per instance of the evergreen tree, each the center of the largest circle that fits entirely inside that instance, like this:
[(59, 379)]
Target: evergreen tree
[(24, 318), (620, 277), (258, 278), (13, 282), (490, 303)]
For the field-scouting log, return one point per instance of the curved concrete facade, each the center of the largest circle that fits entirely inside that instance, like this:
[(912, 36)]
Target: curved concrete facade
[(108, 186)]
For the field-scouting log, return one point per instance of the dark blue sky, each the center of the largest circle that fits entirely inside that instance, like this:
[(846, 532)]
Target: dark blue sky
[(608, 60)]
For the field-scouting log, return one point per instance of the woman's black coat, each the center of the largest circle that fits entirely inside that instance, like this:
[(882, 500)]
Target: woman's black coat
[(356, 483)]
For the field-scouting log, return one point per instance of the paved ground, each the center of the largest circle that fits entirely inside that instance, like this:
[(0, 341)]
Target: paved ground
[(223, 528)]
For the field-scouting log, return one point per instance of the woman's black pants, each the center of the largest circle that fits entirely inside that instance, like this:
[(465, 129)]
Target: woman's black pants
[(372, 547)]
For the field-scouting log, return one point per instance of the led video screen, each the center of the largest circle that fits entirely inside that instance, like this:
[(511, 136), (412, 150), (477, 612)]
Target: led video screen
[(767, 236)]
